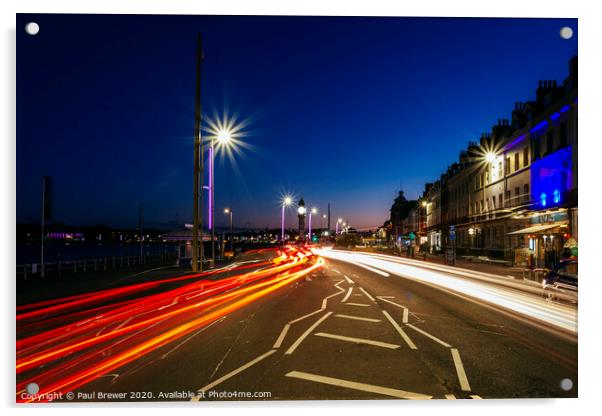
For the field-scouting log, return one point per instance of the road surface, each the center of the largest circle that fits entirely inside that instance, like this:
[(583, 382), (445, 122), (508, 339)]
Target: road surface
[(333, 328)]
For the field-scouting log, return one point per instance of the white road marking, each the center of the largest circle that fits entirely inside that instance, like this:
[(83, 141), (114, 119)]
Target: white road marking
[(325, 300), (367, 294), (400, 331), (336, 271), (386, 297), (391, 302), (123, 323), (405, 316), (460, 370), (348, 294), (306, 333), (203, 329), (306, 316), (278, 342), (348, 280), (357, 318), (356, 304), (386, 391), (233, 373), (337, 285), (474, 396), (426, 334), (450, 397), (358, 340)]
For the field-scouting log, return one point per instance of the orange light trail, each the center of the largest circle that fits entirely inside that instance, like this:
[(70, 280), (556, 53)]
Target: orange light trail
[(140, 326)]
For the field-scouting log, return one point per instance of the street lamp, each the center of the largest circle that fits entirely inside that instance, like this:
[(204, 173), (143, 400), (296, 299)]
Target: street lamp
[(285, 203), (312, 211), (223, 138), (336, 231), (229, 211), (490, 157)]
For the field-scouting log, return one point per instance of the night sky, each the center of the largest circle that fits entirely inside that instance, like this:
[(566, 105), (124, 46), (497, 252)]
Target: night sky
[(340, 110)]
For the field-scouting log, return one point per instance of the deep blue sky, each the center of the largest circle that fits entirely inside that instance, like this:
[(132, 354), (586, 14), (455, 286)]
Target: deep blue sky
[(343, 110)]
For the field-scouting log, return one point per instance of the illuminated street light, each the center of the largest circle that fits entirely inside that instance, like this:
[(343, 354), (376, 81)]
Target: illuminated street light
[(286, 201), (490, 157), (424, 203), (224, 136), (336, 231)]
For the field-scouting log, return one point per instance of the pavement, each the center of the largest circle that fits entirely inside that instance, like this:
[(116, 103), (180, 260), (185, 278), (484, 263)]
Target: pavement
[(344, 332)]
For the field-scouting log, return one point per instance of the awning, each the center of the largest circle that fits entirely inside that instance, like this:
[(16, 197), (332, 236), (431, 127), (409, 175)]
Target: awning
[(538, 228)]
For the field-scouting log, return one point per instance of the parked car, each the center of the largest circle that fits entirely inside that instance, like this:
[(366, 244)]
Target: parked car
[(560, 284)]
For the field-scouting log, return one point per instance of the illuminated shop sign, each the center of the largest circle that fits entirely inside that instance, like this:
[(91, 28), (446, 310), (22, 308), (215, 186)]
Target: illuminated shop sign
[(551, 177)]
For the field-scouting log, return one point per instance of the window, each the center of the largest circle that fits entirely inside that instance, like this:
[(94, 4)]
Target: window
[(525, 156), (501, 201), (508, 196), (563, 134), (507, 170), (493, 202), (526, 192), (535, 149), (516, 195), (516, 161), (550, 141)]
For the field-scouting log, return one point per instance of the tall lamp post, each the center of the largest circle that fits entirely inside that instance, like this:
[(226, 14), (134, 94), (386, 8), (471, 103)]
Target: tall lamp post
[(301, 211), (285, 203), (223, 138), (229, 211), (339, 221)]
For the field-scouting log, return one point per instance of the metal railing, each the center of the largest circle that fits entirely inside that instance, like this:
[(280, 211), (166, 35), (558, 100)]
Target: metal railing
[(60, 268)]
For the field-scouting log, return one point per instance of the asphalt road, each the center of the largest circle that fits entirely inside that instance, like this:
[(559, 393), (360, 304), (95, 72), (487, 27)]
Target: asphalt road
[(346, 332)]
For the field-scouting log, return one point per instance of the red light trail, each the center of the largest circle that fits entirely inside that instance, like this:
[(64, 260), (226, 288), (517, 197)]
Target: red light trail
[(62, 346)]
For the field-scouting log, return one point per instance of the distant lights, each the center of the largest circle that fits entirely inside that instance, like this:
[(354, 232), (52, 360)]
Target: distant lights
[(556, 196), (490, 157)]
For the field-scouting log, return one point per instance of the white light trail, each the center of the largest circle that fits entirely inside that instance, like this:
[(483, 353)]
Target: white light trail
[(510, 295)]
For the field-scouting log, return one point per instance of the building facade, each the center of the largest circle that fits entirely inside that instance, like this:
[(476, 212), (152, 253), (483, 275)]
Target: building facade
[(511, 196)]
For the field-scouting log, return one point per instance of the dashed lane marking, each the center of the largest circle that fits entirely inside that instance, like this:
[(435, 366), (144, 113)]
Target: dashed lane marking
[(474, 396), (348, 294), (357, 318), (460, 370), (400, 331), (306, 333), (356, 304), (367, 294), (426, 334), (306, 316), (233, 373), (450, 397), (358, 340), (386, 391), (280, 339)]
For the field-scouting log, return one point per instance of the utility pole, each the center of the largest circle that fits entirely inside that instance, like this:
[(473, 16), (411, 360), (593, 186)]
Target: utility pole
[(198, 164)]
